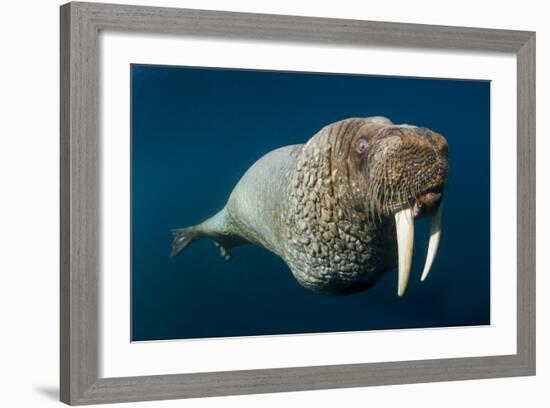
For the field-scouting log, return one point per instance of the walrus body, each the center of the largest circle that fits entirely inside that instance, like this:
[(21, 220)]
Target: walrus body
[(329, 207)]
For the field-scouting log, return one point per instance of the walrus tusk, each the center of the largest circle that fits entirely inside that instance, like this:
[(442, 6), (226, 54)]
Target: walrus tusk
[(435, 236), (404, 225)]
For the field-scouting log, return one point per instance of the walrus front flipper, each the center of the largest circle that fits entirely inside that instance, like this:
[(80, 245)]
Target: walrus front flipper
[(224, 252), (182, 238)]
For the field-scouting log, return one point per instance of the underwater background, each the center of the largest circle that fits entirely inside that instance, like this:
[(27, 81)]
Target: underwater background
[(195, 131)]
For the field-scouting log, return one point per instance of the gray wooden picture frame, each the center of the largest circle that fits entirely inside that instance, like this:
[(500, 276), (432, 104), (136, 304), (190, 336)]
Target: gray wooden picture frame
[(80, 234)]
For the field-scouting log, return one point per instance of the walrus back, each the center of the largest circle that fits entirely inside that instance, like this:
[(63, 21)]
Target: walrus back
[(258, 201)]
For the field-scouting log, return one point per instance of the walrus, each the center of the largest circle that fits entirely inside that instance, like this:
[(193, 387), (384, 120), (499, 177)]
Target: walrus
[(339, 209)]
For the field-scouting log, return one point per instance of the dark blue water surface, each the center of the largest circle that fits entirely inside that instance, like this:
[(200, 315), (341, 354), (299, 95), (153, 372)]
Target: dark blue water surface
[(196, 131)]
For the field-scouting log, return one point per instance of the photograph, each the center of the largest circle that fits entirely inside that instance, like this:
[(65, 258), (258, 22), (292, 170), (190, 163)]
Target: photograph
[(291, 203), (261, 201)]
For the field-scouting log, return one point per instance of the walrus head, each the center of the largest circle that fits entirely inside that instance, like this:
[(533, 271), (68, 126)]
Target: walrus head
[(372, 172), (399, 171)]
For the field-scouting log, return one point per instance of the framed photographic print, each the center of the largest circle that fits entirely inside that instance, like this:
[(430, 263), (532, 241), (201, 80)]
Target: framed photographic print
[(258, 203)]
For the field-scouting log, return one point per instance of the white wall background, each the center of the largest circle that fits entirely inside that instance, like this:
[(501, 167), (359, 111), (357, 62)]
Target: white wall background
[(29, 218)]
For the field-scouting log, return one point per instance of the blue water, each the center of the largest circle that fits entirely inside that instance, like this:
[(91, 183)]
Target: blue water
[(196, 131)]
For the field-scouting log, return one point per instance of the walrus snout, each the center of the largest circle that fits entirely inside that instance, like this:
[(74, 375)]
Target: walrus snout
[(407, 167)]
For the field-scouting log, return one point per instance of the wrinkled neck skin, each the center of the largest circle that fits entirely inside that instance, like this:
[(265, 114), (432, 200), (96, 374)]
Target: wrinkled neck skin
[(333, 247)]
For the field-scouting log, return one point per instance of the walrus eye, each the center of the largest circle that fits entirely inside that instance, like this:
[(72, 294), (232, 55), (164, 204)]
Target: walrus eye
[(361, 145)]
